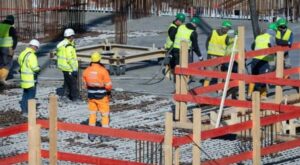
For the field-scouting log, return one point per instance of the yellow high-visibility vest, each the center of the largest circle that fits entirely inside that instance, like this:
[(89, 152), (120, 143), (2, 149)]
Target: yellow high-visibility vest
[(66, 56), (262, 42), (217, 44), (183, 34), (229, 47), (285, 37), (169, 42), (6, 41), (29, 65)]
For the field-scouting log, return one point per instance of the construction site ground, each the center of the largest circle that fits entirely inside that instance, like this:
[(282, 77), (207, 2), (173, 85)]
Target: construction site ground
[(134, 104)]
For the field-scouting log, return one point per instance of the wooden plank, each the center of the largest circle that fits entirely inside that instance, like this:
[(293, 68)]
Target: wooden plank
[(177, 104), (241, 61), (177, 156), (53, 129), (168, 156), (183, 125), (256, 132), (197, 136), (31, 132)]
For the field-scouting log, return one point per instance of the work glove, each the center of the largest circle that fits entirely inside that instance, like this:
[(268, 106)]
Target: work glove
[(74, 74), (200, 58)]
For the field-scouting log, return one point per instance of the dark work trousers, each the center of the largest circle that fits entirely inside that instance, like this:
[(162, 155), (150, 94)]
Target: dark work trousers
[(71, 84), (27, 95), (259, 67), (4, 57)]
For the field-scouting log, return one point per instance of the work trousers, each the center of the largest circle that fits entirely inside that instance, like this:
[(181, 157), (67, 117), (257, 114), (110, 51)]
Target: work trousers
[(71, 84), (27, 95), (101, 106), (259, 67), (5, 57)]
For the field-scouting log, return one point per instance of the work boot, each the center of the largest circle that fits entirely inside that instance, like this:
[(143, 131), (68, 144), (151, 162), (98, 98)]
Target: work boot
[(206, 83), (250, 91), (263, 93), (91, 137)]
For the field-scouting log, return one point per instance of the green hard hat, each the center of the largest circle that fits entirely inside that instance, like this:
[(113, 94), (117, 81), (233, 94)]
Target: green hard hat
[(272, 26), (180, 17), (226, 24), (196, 20), (281, 22)]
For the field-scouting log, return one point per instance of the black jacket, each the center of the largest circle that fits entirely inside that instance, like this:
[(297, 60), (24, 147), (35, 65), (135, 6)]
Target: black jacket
[(194, 39), (172, 32), (13, 34)]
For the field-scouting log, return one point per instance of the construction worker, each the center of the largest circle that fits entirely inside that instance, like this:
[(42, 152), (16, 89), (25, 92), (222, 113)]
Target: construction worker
[(180, 18), (97, 81), (68, 64), (284, 37), (188, 33), (260, 64), (8, 43), (216, 45), (29, 69)]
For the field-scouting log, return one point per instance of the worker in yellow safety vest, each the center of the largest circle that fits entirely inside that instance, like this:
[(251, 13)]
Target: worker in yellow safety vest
[(188, 33), (68, 64), (284, 37), (173, 27), (216, 45), (260, 64), (29, 69), (8, 43)]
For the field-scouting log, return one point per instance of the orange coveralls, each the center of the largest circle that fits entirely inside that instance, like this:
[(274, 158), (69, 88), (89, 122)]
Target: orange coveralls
[(97, 81)]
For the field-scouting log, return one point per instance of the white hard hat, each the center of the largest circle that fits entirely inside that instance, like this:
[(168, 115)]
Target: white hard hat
[(34, 42), (69, 32)]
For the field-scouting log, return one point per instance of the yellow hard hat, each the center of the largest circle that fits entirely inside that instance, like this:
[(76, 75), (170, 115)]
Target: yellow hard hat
[(95, 57)]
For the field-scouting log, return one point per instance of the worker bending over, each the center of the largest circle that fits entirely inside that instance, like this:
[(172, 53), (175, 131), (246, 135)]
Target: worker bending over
[(29, 69), (68, 64), (260, 64), (97, 81), (8, 43)]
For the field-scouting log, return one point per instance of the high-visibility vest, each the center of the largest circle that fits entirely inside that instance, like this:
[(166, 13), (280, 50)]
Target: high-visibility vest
[(66, 56), (183, 34), (217, 44), (262, 42), (285, 37), (97, 81), (29, 65), (169, 42), (6, 41)]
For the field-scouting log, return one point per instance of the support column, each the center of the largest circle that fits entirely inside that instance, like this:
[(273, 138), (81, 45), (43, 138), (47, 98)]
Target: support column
[(184, 54), (168, 155), (256, 132), (241, 61), (197, 136)]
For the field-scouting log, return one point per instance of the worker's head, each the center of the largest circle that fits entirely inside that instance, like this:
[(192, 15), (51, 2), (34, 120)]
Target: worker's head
[(195, 21), (96, 57), (69, 33), (180, 18), (281, 24), (10, 19), (226, 25), (34, 44)]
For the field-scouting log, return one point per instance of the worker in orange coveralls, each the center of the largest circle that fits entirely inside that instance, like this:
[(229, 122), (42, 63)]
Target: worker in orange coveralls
[(97, 81)]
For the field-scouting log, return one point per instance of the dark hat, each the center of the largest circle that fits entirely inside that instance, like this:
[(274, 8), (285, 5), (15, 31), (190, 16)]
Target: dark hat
[(10, 18)]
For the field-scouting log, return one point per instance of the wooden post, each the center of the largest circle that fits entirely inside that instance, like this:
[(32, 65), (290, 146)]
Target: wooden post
[(256, 132), (197, 136), (278, 89), (177, 156), (177, 104), (32, 136), (38, 144), (241, 61), (184, 54), (53, 129), (168, 156)]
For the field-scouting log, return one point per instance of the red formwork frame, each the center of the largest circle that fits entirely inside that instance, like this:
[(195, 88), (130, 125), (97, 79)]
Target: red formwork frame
[(287, 112), (195, 95)]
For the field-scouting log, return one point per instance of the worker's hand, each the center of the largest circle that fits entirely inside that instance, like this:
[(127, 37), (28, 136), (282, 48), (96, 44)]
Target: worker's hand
[(109, 94), (74, 74), (290, 45), (200, 58)]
